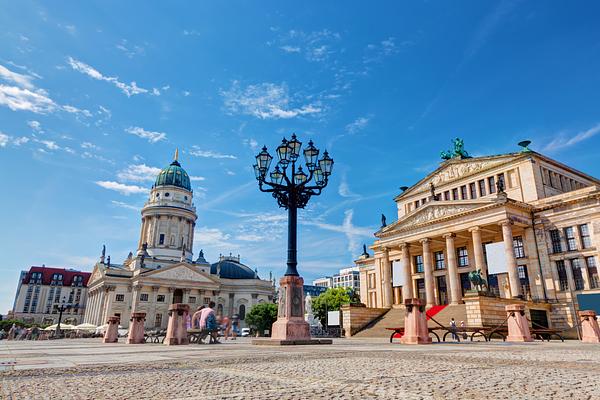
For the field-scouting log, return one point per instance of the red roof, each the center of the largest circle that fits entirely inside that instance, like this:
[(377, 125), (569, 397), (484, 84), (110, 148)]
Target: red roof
[(48, 272)]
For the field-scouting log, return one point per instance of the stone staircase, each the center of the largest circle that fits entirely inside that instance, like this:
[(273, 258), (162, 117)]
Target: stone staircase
[(395, 318)]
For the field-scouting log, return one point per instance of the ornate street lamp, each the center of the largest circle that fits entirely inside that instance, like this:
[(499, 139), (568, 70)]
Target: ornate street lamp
[(62, 307), (290, 184)]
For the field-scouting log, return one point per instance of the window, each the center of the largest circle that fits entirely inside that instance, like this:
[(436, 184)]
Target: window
[(481, 184), (463, 257), (143, 296), (563, 281), (158, 320), (447, 195), (454, 194), (242, 312), (593, 272), (524, 279), (77, 281), (418, 264), (120, 297), (161, 239), (423, 201), (36, 278), (570, 238), (160, 298), (473, 190), (57, 279), (191, 300), (555, 239), (492, 184), (463, 192), (518, 247), (439, 260), (167, 194), (417, 204), (206, 300), (584, 232), (501, 180), (577, 273)]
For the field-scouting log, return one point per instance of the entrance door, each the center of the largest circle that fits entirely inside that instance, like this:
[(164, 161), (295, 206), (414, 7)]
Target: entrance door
[(493, 285), (178, 296), (465, 284), (421, 289), (442, 290), (524, 280), (539, 318)]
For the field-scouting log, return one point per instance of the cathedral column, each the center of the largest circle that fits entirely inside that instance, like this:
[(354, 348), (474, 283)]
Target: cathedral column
[(428, 269), (142, 231), (407, 289), (455, 294), (155, 227), (478, 251), (153, 305), (387, 279), (511, 261)]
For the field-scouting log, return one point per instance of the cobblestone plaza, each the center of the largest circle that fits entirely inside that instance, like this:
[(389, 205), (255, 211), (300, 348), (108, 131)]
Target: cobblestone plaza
[(348, 369)]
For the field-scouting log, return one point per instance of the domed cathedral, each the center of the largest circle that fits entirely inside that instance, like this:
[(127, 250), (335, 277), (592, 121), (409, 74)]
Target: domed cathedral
[(163, 271)]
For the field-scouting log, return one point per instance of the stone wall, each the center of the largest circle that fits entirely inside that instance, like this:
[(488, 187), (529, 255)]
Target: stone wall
[(489, 311), (355, 317)]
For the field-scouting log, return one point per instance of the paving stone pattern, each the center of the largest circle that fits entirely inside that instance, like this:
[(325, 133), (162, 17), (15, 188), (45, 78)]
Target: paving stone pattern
[(348, 369)]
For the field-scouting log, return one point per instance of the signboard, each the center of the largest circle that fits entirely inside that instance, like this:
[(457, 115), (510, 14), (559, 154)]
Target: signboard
[(333, 318), (397, 275), (496, 258)]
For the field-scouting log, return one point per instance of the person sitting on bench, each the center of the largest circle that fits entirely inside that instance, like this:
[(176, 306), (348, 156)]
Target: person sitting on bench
[(208, 322)]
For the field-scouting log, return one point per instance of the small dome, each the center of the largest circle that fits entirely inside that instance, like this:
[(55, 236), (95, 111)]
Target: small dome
[(232, 268), (173, 175)]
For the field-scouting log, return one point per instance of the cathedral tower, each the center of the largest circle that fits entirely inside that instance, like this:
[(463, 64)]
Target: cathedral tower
[(169, 216)]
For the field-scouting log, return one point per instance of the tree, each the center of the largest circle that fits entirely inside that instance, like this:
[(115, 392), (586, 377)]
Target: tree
[(262, 316), (331, 300)]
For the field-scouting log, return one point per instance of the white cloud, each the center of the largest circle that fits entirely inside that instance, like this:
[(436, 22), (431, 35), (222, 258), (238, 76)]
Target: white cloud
[(344, 188), (50, 145), (88, 145), (191, 32), (252, 143), (290, 49), (186, 93), (35, 125), (129, 89), (265, 101), (20, 140), (70, 29), (152, 137), (24, 81), (124, 205), (138, 173), (18, 99), (75, 110), (357, 125), (4, 139), (214, 237), (563, 140), (197, 178), (122, 188), (197, 152), (130, 50), (316, 46)]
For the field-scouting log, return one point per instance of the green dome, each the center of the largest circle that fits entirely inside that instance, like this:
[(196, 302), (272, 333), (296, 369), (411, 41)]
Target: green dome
[(173, 175)]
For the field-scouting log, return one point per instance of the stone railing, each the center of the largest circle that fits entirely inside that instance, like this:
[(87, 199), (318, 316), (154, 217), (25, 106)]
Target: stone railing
[(356, 317)]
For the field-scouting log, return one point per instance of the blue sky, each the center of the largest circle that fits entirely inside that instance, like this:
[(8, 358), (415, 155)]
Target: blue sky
[(96, 96)]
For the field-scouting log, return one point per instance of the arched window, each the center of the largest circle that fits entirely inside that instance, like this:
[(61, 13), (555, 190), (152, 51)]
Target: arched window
[(242, 312)]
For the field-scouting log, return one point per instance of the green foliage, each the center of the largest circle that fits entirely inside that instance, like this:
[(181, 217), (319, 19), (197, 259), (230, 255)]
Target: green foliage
[(262, 316), (6, 324), (331, 300)]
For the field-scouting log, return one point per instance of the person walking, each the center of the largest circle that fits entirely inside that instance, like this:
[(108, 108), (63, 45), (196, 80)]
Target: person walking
[(453, 329)]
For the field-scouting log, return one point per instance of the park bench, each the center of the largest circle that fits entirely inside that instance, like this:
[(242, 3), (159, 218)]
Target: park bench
[(155, 336), (199, 335)]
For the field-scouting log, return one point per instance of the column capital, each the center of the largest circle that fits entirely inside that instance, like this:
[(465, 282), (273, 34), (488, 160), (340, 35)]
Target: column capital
[(475, 229), (404, 246), (155, 288), (426, 240), (505, 222), (449, 236)]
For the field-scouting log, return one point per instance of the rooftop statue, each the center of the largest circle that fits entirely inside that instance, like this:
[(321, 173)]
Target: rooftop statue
[(458, 152)]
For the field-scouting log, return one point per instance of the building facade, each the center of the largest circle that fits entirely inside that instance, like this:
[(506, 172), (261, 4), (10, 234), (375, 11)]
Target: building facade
[(346, 277), (40, 289), (162, 271), (325, 282), (544, 215)]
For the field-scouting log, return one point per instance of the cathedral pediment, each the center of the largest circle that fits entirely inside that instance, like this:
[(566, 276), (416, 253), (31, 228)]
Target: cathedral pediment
[(452, 170), (96, 275), (180, 272), (432, 212)]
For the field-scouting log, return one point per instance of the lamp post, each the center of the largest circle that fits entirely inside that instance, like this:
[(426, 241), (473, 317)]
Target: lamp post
[(292, 185), (62, 307)]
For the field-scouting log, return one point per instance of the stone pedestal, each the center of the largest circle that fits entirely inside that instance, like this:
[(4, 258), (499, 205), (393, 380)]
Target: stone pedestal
[(290, 327), (415, 323), (590, 331), (177, 329), (518, 326), (136, 328), (111, 335)]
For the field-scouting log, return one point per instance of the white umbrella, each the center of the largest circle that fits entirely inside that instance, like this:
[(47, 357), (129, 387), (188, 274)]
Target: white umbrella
[(62, 326), (86, 327)]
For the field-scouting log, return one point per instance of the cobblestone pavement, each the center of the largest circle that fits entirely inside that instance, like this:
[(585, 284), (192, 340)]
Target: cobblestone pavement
[(348, 369)]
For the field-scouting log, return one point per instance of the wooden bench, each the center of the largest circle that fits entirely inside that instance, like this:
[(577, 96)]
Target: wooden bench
[(198, 335), (400, 331)]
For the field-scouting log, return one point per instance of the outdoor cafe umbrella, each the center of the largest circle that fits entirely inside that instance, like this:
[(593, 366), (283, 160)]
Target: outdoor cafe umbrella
[(62, 326), (86, 327)]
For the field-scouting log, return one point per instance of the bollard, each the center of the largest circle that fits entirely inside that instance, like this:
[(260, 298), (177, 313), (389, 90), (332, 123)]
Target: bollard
[(136, 328), (518, 326), (590, 331), (111, 335), (415, 323), (176, 329)]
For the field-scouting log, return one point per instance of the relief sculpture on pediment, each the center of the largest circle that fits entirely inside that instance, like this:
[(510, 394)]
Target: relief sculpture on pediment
[(433, 213)]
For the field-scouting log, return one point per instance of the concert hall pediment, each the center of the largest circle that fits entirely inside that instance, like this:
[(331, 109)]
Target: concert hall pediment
[(432, 212), (179, 272)]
